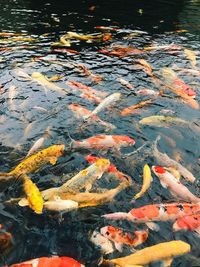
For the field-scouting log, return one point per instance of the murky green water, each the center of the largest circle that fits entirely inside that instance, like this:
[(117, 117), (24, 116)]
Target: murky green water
[(156, 21)]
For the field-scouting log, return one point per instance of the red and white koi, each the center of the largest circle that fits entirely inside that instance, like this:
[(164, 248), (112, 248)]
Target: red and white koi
[(164, 160), (104, 142), (85, 88), (111, 169), (156, 212), (120, 237), (176, 188), (125, 83), (188, 223), (105, 103), (49, 261)]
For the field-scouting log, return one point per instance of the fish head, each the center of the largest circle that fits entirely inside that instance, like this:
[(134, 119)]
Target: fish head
[(102, 164), (158, 170), (124, 140), (59, 150), (102, 242), (91, 159), (109, 231)]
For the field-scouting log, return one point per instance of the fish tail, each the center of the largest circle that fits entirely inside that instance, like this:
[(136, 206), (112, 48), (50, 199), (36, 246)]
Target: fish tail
[(73, 142), (155, 143), (117, 216)]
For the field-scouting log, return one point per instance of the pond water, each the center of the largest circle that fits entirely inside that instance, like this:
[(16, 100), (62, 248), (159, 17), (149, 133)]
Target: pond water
[(151, 23)]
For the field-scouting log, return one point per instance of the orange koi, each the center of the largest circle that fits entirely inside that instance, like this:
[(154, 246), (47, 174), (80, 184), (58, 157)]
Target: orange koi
[(111, 169), (190, 223), (91, 98), (120, 238), (131, 109), (49, 262), (85, 88), (95, 78), (122, 51), (104, 142)]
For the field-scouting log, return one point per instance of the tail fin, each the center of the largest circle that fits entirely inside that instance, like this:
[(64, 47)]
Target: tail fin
[(72, 140), (155, 143)]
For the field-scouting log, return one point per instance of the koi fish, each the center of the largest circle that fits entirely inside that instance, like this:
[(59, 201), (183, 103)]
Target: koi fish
[(5, 240), (104, 142), (147, 179), (122, 51), (99, 240), (94, 199), (162, 121), (88, 38), (84, 179), (106, 28), (125, 83), (82, 112), (164, 160), (131, 109), (189, 223), (64, 50), (163, 47), (49, 261), (95, 78), (156, 212), (43, 80), (11, 94), (40, 109), (191, 56), (36, 161), (86, 89), (34, 197), (61, 205), (111, 169), (175, 187), (172, 80), (105, 103), (120, 238), (165, 252)]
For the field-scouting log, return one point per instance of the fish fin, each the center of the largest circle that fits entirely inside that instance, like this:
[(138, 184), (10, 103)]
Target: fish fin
[(23, 202), (133, 250), (53, 160), (163, 184), (119, 246), (88, 187), (153, 226), (197, 231), (167, 262)]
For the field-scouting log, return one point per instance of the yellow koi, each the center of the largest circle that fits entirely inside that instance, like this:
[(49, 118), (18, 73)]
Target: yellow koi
[(191, 56), (34, 162), (147, 179), (165, 251), (162, 121), (34, 197), (44, 81)]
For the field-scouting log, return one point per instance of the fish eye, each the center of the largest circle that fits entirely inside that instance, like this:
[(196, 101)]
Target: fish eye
[(107, 233)]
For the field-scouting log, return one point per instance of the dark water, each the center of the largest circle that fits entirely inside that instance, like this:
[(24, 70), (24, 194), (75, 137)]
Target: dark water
[(35, 236)]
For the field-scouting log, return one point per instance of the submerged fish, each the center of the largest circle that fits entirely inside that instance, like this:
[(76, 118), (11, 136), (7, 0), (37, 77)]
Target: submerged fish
[(120, 237), (125, 83), (53, 261), (122, 51), (81, 112), (104, 142), (191, 56), (105, 103), (5, 240), (43, 80), (161, 252), (95, 78), (156, 212), (61, 205), (164, 160), (84, 179), (188, 223), (162, 121), (111, 169), (147, 179), (89, 38), (11, 94), (36, 161), (94, 199), (34, 197), (131, 109), (175, 187), (102, 242)]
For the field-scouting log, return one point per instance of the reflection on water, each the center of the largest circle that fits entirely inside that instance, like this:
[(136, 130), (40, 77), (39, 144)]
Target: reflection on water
[(22, 123)]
